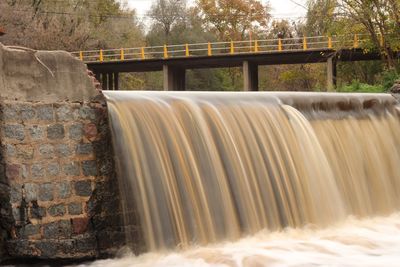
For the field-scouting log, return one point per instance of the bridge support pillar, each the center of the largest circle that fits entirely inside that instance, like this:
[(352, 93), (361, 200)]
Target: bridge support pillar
[(104, 84), (174, 78), (110, 77), (250, 76), (116, 81), (331, 73), (109, 81)]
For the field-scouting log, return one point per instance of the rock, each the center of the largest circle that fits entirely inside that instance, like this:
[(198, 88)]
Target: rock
[(72, 169), (55, 131), (89, 167), (14, 132), (64, 190), (396, 87), (76, 131), (56, 210), (75, 208), (46, 192), (83, 188)]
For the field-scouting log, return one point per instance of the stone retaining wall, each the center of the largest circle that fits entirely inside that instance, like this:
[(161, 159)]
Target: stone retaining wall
[(58, 190)]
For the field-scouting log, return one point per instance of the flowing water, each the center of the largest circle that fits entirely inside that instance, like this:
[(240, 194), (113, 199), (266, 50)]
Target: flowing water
[(206, 168), (356, 243)]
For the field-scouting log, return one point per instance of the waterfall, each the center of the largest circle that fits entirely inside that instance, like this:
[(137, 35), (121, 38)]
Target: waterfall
[(199, 168)]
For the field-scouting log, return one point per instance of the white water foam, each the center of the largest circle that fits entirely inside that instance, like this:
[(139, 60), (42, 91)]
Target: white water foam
[(367, 242)]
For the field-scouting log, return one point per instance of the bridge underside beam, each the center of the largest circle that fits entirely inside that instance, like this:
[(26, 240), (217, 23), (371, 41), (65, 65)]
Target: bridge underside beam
[(174, 78), (250, 76), (226, 61)]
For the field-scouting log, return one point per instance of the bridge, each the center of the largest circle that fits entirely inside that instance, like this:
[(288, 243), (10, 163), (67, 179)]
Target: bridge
[(174, 60)]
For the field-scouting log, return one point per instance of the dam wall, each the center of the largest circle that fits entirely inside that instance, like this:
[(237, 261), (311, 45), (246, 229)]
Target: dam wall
[(58, 192)]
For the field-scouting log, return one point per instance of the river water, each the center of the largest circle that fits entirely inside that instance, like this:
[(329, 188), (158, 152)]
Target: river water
[(367, 242)]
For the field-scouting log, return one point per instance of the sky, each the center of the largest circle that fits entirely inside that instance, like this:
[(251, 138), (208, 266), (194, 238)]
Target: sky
[(281, 9)]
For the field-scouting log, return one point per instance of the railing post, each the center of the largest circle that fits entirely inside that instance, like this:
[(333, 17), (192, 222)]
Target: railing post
[(81, 55), (122, 54), (142, 53), (101, 55), (232, 48), (279, 44), (256, 46), (165, 51), (304, 43), (355, 44), (209, 52), (187, 53), (330, 42)]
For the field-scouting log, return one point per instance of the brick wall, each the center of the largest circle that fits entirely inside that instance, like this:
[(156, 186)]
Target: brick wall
[(58, 188), (56, 158)]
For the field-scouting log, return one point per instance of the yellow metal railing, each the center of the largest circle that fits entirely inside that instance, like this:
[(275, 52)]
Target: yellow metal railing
[(226, 48)]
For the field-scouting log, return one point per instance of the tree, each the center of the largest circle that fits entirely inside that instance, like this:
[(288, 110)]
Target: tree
[(69, 25), (378, 18), (166, 14), (233, 19), (320, 17), (28, 25)]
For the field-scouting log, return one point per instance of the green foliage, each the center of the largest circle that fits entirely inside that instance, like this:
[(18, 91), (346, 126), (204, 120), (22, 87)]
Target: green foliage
[(357, 86), (389, 77)]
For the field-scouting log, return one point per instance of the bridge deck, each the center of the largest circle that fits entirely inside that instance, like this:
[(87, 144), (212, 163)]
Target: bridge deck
[(234, 60)]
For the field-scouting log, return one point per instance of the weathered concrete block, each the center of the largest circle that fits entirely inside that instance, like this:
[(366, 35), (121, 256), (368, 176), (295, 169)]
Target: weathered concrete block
[(53, 169), (46, 151), (64, 189), (76, 131), (46, 192), (63, 150), (38, 170), (89, 167), (72, 169), (45, 113), (75, 208), (64, 113), (14, 131), (87, 113), (55, 131), (10, 113), (57, 210), (36, 132), (27, 112), (84, 149), (25, 152), (55, 230), (83, 188)]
